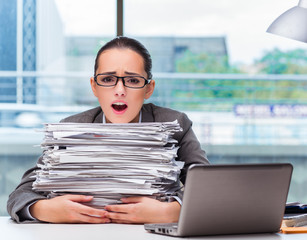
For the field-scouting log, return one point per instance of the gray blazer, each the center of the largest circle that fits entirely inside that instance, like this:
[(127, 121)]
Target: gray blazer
[(189, 152)]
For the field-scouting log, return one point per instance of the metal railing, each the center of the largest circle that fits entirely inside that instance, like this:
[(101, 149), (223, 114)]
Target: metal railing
[(227, 109), (191, 90)]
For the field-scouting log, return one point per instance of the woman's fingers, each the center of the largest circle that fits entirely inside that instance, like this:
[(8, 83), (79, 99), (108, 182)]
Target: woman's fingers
[(68, 209), (77, 198)]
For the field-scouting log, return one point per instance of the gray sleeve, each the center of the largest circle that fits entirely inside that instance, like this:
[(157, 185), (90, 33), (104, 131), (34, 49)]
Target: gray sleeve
[(25, 213), (177, 196), (23, 196), (190, 151)]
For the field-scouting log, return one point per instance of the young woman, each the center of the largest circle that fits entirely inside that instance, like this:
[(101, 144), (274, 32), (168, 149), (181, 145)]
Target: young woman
[(122, 81)]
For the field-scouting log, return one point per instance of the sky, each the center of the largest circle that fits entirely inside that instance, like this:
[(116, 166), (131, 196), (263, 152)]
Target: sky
[(242, 22)]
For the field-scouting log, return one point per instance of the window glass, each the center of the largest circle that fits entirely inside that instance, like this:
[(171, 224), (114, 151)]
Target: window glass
[(244, 89)]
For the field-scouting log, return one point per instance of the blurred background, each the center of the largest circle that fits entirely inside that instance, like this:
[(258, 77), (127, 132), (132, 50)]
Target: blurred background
[(244, 89)]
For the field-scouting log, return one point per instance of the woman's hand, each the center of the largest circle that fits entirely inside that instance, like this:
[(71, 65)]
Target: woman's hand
[(67, 209), (143, 210)]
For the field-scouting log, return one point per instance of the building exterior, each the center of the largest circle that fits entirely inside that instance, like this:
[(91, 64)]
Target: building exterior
[(18, 50), (32, 42), (165, 51)]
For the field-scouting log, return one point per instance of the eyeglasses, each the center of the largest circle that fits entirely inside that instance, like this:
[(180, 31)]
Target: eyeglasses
[(107, 80)]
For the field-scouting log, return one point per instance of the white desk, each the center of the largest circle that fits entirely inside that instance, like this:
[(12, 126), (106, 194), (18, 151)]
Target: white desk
[(13, 231)]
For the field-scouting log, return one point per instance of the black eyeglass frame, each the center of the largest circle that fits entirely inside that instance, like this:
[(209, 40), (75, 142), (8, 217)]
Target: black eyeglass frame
[(147, 81)]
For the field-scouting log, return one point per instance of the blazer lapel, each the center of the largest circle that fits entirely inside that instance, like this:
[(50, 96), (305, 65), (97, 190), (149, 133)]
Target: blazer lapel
[(98, 118), (147, 113)]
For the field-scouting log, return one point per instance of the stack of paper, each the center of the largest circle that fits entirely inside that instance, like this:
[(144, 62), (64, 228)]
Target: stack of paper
[(109, 161)]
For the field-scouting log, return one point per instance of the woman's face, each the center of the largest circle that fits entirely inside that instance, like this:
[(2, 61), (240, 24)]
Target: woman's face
[(119, 103)]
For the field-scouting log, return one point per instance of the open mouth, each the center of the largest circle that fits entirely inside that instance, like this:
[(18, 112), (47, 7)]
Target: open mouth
[(119, 106)]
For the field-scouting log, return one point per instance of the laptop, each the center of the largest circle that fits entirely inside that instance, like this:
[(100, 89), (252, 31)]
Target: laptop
[(231, 199)]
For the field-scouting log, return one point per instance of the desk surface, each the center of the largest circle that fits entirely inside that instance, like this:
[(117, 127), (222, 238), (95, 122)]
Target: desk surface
[(41, 231)]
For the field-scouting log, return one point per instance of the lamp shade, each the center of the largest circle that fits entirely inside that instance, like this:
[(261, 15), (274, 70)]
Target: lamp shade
[(292, 23)]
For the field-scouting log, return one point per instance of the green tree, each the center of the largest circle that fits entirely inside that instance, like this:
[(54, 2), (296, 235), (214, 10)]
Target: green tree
[(279, 62), (226, 92), (211, 88), (285, 62), (203, 63)]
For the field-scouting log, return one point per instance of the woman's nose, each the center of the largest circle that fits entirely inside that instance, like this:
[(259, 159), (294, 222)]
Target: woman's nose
[(119, 88)]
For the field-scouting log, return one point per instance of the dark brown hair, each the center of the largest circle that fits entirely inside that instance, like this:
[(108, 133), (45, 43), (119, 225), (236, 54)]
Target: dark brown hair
[(130, 43)]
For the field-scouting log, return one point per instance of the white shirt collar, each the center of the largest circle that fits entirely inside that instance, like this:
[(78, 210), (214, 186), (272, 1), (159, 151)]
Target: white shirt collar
[(104, 117)]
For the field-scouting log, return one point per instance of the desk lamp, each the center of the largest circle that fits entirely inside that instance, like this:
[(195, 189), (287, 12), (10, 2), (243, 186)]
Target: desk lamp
[(292, 23)]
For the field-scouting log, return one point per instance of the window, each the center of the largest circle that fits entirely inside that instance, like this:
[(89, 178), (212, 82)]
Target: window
[(244, 89)]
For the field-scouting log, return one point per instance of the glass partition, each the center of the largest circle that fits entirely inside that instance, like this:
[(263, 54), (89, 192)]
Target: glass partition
[(245, 90)]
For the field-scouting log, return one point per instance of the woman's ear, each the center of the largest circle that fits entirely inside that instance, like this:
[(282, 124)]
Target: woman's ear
[(149, 89), (93, 86)]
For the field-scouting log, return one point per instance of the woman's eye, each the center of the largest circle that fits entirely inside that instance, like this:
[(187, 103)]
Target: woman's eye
[(133, 80), (107, 79)]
